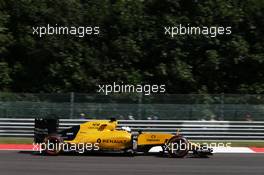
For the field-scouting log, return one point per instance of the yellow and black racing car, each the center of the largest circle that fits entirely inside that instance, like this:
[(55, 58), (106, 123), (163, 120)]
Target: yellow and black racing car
[(104, 135)]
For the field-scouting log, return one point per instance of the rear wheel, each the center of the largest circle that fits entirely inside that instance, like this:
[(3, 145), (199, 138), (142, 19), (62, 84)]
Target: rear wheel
[(177, 147), (53, 145)]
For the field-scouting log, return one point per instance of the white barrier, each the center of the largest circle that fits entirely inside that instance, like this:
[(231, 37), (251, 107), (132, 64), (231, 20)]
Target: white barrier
[(213, 130)]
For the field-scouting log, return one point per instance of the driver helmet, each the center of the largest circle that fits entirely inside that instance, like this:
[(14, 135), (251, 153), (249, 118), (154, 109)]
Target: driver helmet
[(126, 128)]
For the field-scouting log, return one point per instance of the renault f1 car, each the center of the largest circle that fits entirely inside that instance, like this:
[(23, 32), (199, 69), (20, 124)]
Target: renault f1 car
[(104, 135)]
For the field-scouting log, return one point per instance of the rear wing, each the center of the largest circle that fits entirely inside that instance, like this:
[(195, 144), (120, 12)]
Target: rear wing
[(44, 127)]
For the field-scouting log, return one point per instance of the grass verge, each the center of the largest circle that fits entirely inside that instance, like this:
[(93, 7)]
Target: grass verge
[(15, 140)]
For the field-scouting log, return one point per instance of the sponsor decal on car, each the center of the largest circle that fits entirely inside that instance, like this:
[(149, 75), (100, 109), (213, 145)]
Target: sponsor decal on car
[(110, 141), (153, 139)]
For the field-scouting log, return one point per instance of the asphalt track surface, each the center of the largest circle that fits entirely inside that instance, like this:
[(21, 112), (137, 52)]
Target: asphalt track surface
[(15, 163)]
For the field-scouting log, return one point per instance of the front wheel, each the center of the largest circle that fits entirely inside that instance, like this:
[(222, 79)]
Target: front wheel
[(177, 147)]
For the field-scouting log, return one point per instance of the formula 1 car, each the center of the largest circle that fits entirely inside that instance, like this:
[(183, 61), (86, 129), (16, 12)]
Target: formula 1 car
[(104, 135)]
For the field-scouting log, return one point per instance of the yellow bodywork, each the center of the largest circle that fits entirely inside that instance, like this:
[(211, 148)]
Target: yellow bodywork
[(153, 138), (107, 136), (104, 133)]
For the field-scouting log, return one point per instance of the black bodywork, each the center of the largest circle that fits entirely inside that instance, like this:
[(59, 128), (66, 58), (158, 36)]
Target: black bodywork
[(44, 127)]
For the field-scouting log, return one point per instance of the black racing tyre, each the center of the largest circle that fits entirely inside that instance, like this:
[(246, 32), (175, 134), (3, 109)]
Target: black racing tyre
[(53, 145), (177, 147)]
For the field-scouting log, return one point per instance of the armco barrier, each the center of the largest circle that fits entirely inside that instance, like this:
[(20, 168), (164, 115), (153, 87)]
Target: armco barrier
[(213, 130)]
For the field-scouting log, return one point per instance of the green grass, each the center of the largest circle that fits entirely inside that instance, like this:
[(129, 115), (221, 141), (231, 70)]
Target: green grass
[(13, 140)]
